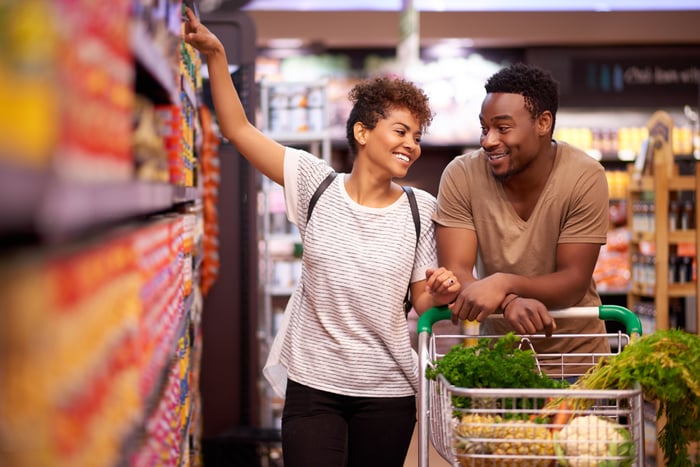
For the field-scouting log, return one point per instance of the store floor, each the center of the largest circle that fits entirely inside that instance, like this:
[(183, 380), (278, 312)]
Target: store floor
[(434, 459)]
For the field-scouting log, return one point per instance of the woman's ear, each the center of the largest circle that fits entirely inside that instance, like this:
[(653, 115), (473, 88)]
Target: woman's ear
[(360, 132)]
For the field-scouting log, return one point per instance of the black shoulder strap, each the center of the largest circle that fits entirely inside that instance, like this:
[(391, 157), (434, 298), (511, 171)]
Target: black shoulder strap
[(411, 201), (317, 194), (414, 209), (407, 305)]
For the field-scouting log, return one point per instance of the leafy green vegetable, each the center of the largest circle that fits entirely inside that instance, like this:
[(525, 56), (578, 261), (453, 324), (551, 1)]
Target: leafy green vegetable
[(666, 364), (492, 363)]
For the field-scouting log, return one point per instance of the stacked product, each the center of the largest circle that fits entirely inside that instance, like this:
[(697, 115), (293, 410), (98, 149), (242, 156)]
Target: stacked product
[(69, 385), (95, 76), (106, 341), (210, 179)]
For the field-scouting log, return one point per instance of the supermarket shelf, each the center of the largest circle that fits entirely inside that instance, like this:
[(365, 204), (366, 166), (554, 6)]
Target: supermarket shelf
[(676, 183), (152, 60), (189, 91), (610, 292), (38, 203), (297, 137), (69, 208), (21, 191), (280, 291), (184, 194)]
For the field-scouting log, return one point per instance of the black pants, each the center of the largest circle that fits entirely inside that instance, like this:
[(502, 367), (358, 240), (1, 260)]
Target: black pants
[(321, 429)]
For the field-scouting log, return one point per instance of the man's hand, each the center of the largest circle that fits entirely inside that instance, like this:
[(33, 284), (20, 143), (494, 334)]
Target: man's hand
[(529, 316), (479, 299)]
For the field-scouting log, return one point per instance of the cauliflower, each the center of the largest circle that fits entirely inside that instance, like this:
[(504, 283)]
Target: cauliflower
[(592, 441)]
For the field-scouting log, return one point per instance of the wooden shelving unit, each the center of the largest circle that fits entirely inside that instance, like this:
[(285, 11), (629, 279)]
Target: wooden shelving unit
[(653, 187)]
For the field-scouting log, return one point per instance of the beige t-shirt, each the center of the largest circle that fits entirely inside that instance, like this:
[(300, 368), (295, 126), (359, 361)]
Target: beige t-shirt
[(573, 208)]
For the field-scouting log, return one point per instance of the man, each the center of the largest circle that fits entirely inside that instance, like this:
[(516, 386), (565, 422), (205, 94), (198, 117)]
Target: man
[(528, 213)]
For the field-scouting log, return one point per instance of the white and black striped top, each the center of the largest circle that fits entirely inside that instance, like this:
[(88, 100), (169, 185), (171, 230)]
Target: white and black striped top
[(347, 331)]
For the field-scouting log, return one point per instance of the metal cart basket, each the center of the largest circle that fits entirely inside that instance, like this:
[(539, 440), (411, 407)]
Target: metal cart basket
[(531, 427)]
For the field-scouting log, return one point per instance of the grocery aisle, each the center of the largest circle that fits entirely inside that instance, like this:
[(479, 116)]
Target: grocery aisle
[(106, 234)]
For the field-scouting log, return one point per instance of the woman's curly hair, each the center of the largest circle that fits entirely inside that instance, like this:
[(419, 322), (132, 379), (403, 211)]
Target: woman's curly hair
[(537, 86), (372, 99)]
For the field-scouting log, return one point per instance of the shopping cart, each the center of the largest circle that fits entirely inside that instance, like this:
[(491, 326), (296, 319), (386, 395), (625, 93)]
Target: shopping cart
[(509, 427)]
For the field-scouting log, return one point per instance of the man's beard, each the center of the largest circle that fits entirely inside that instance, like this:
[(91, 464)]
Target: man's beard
[(510, 173)]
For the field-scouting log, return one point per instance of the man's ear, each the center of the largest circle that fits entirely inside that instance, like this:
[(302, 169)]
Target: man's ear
[(544, 123), (360, 132)]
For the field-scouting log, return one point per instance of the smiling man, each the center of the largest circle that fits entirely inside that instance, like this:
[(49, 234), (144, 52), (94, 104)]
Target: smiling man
[(528, 213)]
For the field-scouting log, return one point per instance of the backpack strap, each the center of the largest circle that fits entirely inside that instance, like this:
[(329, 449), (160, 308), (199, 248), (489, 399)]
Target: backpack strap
[(407, 305), (414, 209), (317, 194), (414, 213)]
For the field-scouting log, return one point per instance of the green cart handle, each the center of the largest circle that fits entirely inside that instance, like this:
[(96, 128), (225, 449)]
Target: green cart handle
[(616, 313)]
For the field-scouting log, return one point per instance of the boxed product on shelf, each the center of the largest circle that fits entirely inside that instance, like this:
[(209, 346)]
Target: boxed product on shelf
[(95, 76), (68, 379), (66, 87), (29, 97), (83, 361), (97, 297)]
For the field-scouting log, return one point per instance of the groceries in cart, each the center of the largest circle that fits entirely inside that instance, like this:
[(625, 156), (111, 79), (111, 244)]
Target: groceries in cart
[(487, 408), (496, 422)]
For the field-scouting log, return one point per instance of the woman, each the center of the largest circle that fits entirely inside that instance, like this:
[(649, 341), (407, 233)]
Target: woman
[(343, 358)]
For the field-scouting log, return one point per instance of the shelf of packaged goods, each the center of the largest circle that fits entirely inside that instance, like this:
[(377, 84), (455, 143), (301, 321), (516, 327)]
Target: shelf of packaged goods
[(186, 194), (21, 192), (297, 137), (153, 61), (38, 202)]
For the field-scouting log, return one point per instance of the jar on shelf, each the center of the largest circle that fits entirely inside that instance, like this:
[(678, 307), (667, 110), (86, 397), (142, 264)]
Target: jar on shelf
[(685, 269), (674, 214), (672, 269), (688, 215)]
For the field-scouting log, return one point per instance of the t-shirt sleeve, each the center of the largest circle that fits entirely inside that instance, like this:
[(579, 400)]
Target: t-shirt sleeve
[(588, 217), (454, 197), (291, 190), (303, 173)]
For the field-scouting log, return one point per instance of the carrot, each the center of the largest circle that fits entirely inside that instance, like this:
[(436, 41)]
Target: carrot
[(562, 416)]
